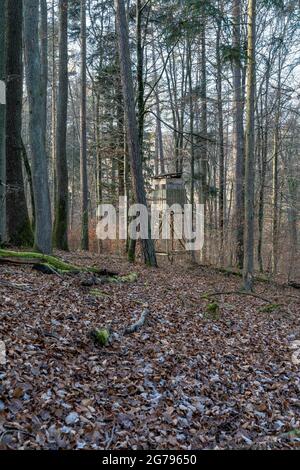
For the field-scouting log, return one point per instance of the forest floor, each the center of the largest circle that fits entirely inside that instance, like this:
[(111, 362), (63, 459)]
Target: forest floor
[(194, 377)]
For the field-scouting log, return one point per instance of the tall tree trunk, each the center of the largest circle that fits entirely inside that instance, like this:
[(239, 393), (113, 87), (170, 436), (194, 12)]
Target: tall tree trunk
[(98, 143), (53, 108), (250, 149), (192, 146), (221, 145), (203, 195), (132, 128), (263, 170), (140, 74), (275, 182), (44, 61), (238, 133), (98, 159), (19, 232), (2, 123), (60, 235), (159, 149), (140, 99), (43, 230), (29, 179), (83, 137), (121, 143)]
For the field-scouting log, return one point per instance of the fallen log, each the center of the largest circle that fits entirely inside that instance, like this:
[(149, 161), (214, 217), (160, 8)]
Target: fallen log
[(139, 324), (60, 266)]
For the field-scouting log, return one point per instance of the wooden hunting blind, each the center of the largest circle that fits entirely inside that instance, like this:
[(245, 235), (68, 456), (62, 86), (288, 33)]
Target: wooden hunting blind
[(167, 191)]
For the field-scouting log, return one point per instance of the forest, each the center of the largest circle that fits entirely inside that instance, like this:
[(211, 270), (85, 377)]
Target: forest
[(149, 225)]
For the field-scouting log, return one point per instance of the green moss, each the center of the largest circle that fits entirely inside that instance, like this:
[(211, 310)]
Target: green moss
[(212, 311), (269, 308), (131, 277), (212, 308), (101, 336), (56, 263), (205, 296), (98, 293)]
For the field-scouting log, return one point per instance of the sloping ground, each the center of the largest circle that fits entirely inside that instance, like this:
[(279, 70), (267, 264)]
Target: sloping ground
[(192, 378)]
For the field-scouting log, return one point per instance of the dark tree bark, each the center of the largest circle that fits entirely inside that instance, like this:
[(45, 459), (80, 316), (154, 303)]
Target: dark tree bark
[(203, 183), (83, 137), (221, 145), (60, 235), (159, 148), (131, 123), (43, 229), (2, 123), (250, 148), (19, 232), (238, 133), (44, 61)]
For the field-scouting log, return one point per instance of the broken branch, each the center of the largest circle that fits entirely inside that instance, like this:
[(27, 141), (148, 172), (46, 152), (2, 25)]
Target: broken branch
[(139, 324)]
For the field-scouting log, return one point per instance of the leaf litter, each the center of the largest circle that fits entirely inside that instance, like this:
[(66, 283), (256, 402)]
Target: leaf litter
[(186, 380)]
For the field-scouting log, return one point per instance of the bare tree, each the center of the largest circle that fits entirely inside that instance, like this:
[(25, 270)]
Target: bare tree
[(34, 82), (222, 186), (19, 231), (131, 123), (44, 60), (83, 136), (60, 233), (238, 132), (250, 148), (2, 122)]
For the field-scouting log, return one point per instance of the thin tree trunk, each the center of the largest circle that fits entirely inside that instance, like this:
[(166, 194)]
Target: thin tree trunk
[(140, 74), (83, 136), (192, 147), (221, 145), (2, 124), (29, 179), (53, 108), (60, 234), (250, 150), (238, 134), (275, 179), (98, 152), (203, 196), (159, 149), (132, 128), (263, 174), (43, 230)]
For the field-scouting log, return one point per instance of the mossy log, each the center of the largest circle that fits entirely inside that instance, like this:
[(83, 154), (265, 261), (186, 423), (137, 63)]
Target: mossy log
[(26, 257), (131, 277)]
